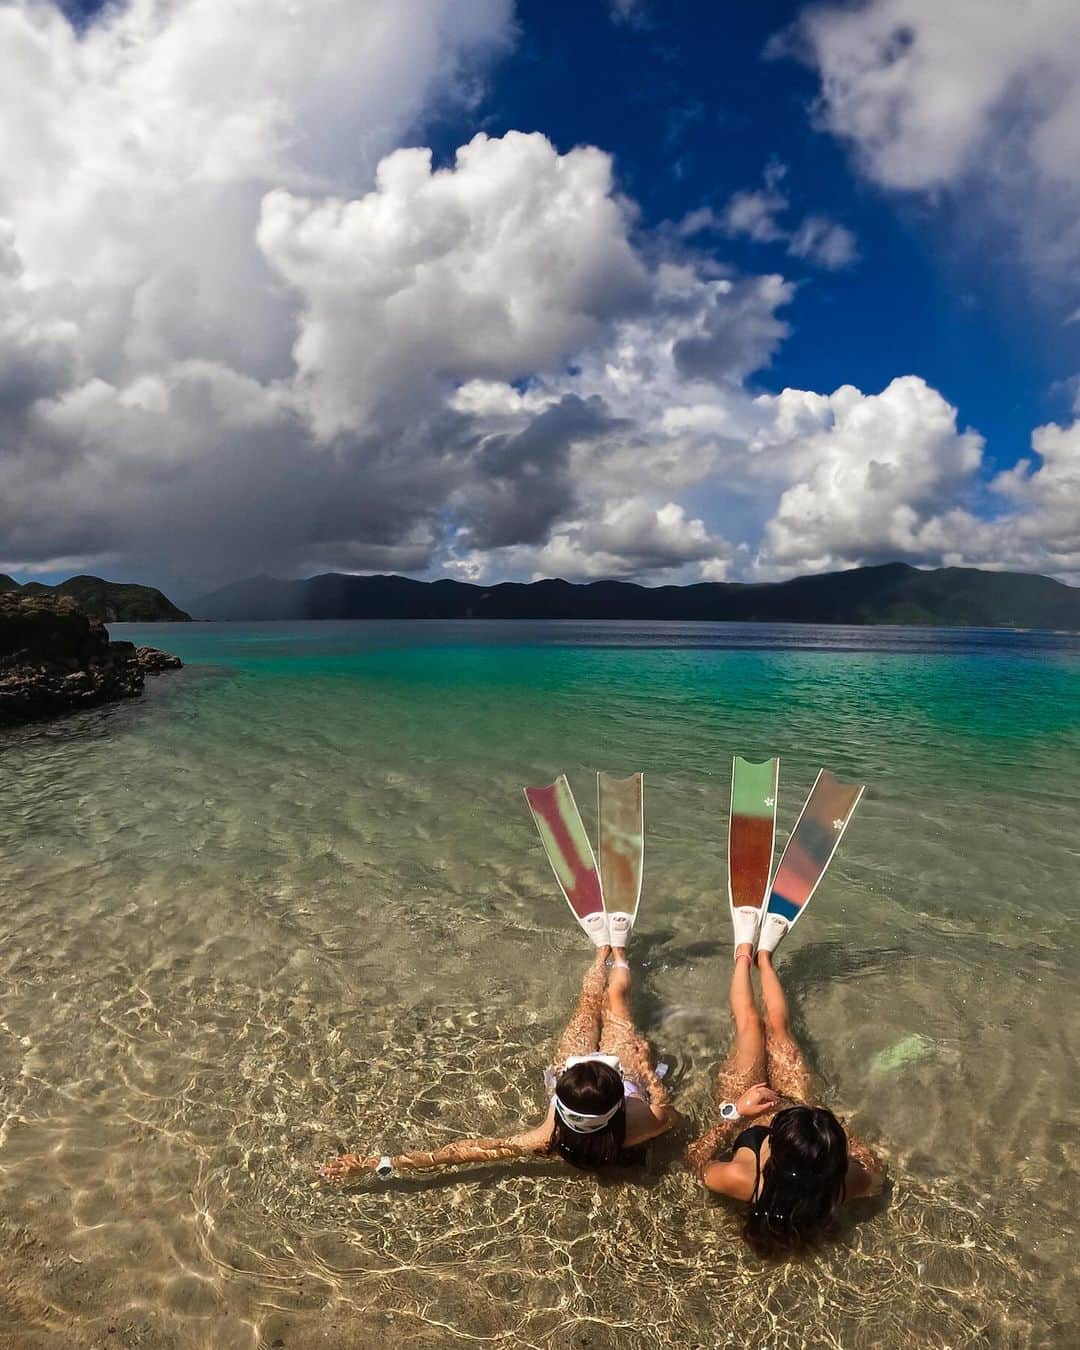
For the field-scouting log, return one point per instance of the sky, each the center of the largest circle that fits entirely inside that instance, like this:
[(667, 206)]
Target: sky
[(664, 290)]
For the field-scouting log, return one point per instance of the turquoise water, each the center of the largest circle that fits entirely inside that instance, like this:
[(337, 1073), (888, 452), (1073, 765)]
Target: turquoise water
[(292, 900)]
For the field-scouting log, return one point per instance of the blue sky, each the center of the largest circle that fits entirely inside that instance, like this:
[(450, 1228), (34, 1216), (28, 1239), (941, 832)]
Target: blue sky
[(693, 110), (242, 346)]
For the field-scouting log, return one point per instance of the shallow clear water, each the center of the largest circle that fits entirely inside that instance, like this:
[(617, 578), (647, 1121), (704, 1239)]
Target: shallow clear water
[(292, 900)]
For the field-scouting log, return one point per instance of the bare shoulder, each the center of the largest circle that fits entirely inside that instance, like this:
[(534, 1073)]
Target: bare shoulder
[(644, 1122), (861, 1182), (734, 1178)]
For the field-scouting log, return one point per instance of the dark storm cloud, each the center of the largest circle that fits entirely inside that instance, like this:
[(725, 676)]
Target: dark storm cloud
[(524, 483)]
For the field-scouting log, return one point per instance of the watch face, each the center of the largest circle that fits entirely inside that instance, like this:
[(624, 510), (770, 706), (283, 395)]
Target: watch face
[(728, 1111)]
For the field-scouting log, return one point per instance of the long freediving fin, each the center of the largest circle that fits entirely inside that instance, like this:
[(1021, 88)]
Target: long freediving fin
[(621, 809), (809, 851), (570, 855), (751, 837)]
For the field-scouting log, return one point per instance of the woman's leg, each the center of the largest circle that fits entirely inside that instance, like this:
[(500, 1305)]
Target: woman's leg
[(787, 1068), (619, 1036), (617, 993), (745, 1063), (582, 1033)]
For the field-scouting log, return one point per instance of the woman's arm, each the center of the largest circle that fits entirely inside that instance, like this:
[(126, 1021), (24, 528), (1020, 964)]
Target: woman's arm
[(866, 1171), (659, 1097), (645, 1121), (700, 1155), (419, 1160), (528, 1144), (704, 1149)]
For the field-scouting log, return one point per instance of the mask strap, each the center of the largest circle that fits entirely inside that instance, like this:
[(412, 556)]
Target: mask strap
[(581, 1122)]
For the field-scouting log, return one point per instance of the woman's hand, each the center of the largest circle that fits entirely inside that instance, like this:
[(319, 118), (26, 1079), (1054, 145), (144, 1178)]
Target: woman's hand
[(757, 1100), (348, 1165)]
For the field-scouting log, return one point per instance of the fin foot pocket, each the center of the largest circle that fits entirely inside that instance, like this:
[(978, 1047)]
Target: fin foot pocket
[(597, 926), (620, 926), (744, 921), (773, 930)]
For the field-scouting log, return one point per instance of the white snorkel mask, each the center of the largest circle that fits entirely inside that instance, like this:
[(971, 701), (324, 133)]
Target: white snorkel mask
[(580, 1121)]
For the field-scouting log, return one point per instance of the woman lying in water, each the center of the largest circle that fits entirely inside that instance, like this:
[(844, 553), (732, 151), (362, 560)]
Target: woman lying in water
[(796, 1163), (608, 1098)]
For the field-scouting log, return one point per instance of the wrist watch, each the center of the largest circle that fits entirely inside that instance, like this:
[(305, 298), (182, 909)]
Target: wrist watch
[(384, 1168), (729, 1111)]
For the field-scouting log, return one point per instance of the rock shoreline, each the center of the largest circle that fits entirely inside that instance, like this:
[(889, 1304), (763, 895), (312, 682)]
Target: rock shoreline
[(55, 659)]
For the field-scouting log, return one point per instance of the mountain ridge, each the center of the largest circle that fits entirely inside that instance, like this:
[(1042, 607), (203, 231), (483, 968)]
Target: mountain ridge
[(109, 601), (886, 593)]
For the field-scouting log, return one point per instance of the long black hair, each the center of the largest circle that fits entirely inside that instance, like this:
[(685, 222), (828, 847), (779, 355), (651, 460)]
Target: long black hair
[(802, 1182), (592, 1087)]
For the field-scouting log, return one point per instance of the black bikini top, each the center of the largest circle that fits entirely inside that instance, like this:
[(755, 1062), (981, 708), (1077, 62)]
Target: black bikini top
[(752, 1138)]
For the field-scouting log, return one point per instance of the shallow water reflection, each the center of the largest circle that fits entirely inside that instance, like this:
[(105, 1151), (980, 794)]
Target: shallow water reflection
[(293, 901)]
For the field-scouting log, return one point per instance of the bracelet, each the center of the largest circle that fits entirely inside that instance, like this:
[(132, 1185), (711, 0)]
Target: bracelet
[(744, 956)]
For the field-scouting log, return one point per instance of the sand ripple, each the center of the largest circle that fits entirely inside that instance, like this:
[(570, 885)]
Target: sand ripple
[(263, 916)]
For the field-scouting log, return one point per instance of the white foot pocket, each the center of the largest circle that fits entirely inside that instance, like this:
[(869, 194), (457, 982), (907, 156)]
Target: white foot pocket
[(744, 921), (596, 925), (620, 927), (772, 930)]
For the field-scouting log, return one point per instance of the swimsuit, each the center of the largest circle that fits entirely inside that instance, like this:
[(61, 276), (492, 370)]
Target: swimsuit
[(752, 1138)]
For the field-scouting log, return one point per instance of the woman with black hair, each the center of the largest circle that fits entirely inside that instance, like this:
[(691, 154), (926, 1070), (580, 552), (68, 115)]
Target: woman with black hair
[(607, 1097), (795, 1162)]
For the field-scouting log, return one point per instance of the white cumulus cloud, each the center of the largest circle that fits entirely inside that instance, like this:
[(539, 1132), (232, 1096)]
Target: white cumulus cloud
[(244, 329), (631, 538), (981, 97), (753, 211), (501, 266), (1040, 528), (869, 471)]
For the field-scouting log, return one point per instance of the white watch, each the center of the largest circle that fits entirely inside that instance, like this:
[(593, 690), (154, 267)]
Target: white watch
[(729, 1111), (384, 1167)]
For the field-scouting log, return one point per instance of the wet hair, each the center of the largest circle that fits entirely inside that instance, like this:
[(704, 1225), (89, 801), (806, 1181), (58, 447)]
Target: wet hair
[(593, 1088), (802, 1182)]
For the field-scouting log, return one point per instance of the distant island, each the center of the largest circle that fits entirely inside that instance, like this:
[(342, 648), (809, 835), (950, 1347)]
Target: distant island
[(892, 593), (109, 601)]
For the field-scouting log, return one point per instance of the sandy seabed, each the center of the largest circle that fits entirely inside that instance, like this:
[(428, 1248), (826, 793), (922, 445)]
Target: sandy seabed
[(243, 928)]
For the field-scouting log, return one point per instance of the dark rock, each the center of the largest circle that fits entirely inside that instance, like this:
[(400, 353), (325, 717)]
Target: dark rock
[(152, 661), (55, 659)]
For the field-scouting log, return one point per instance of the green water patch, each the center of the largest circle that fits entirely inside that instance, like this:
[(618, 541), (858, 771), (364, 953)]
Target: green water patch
[(932, 719)]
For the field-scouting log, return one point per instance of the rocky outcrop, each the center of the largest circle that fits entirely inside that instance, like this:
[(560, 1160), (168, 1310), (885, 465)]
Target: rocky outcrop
[(153, 661), (55, 659)]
